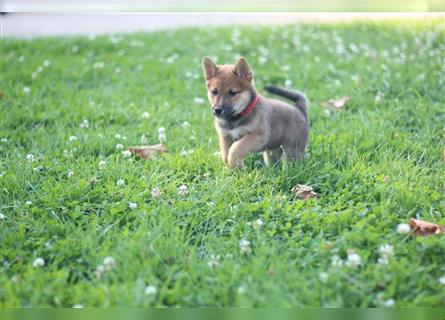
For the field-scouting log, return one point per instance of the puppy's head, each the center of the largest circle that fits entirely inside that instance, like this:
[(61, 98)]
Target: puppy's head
[(230, 88)]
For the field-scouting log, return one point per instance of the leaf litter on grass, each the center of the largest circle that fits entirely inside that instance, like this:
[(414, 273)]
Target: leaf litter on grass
[(336, 103), (147, 152)]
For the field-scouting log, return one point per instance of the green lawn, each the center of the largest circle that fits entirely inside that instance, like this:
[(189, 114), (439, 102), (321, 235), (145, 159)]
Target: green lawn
[(375, 164)]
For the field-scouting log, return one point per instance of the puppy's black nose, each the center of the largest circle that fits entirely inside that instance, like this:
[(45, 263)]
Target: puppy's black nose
[(218, 111)]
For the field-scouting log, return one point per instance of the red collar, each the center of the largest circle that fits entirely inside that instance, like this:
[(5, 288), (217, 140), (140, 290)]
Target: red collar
[(250, 107)]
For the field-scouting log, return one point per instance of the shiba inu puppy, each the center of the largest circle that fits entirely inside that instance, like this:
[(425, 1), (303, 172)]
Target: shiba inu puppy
[(247, 122)]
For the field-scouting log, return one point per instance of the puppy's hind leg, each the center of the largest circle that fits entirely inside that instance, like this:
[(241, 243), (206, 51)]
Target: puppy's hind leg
[(292, 153), (271, 157)]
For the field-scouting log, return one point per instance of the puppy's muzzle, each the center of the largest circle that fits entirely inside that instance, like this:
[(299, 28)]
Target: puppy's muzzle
[(218, 111), (224, 112)]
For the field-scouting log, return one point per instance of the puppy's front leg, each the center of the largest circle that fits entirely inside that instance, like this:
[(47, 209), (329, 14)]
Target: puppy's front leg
[(224, 145), (241, 148)]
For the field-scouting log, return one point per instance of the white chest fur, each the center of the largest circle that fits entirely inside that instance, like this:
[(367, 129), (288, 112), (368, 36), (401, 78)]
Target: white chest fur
[(236, 133)]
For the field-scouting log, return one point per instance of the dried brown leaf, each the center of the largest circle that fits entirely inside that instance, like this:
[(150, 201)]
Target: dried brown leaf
[(425, 228), (304, 192), (147, 152), (336, 103)]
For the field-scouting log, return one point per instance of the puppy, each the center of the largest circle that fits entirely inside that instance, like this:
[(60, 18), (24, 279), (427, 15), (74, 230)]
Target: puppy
[(247, 122)]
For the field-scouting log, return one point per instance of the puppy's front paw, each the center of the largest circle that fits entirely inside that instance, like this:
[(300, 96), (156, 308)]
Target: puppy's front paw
[(236, 164)]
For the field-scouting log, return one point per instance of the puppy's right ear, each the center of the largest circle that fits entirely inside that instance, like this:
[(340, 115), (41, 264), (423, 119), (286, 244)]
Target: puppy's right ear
[(209, 67)]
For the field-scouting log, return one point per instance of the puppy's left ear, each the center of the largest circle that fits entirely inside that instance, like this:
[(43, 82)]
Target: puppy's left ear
[(243, 70)]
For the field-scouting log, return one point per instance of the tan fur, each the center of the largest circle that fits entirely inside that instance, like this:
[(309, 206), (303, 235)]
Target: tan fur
[(273, 125)]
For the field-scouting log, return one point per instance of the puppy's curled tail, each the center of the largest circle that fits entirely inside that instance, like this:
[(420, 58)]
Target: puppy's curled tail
[(297, 97)]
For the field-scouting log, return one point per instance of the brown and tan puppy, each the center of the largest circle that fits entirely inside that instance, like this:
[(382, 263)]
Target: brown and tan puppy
[(247, 122)]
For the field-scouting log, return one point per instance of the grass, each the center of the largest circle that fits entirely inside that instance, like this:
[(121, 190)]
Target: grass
[(375, 164)]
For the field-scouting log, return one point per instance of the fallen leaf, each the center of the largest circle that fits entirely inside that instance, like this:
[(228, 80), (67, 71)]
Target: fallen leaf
[(424, 228), (304, 192), (336, 103), (147, 152)]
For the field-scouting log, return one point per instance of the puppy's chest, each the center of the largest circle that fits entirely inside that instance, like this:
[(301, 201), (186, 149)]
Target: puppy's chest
[(236, 133)]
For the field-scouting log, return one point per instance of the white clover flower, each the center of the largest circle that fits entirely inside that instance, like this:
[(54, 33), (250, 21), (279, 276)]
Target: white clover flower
[(145, 115), (100, 270), (403, 228), (198, 100), (117, 136), (98, 65), (183, 190), (172, 58), (442, 280), (119, 146), (244, 246), (144, 139), (132, 205), (102, 164), (120, 182), (70, 174), (262, 60), (323, 276), (109, 263), (33, 75), (285, 67), (150, 290), (21, 58), (386, 250), (241, 290), (337, 261), (28, 203), (186, 125), (155, 192), (39, 69), (30, 157), (185, 152), (46, 63), (162, 137), (379, 97), (214, 261), (2, 216), (77, 306), (389, 303), (137, 43), (257, 224), (84, 124), (38, 262), (288, 83), (161, 130), (72, 138), (4, 140), (353, 260), (26, 90), (126, 154), (383, 261)]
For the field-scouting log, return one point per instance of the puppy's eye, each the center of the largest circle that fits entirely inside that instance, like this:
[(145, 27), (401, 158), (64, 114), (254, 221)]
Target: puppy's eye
[(233, 93), (214, 92)]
